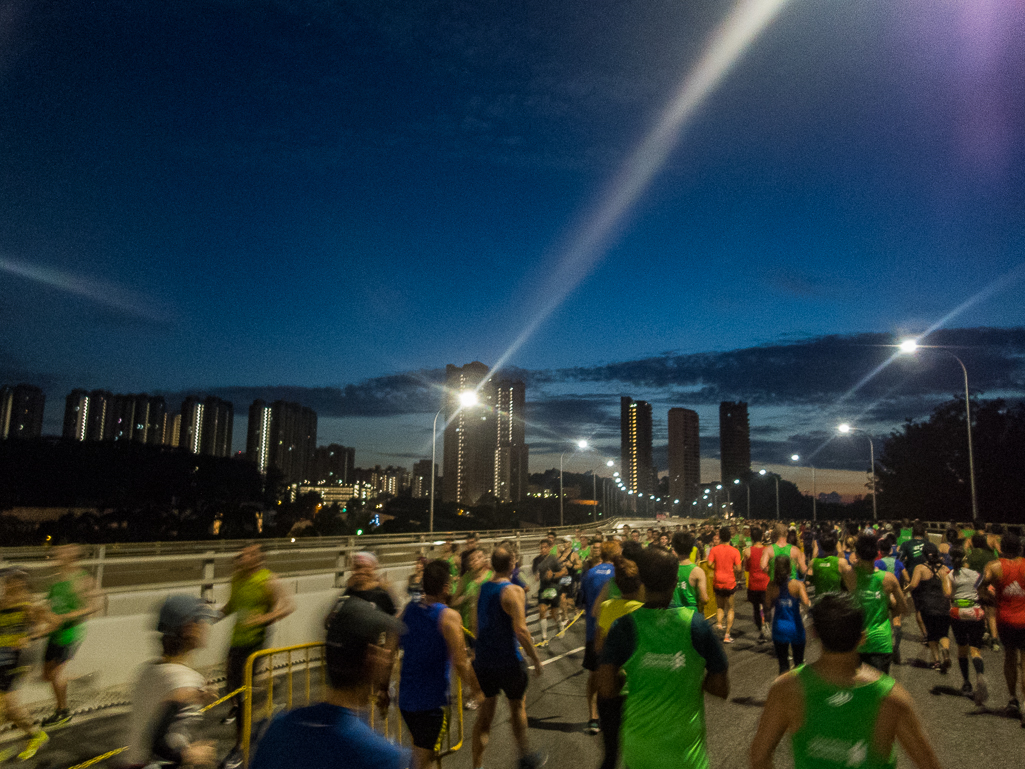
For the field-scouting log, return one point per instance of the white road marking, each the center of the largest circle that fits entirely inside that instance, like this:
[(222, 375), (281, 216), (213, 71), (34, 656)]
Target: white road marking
[(559, 657)]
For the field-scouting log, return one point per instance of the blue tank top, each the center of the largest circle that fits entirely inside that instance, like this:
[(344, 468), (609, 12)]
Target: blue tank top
[(787, 626), (424, 682), (496, 643)]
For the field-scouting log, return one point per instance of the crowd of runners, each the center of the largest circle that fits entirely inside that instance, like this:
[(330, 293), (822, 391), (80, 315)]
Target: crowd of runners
[(650, 653)]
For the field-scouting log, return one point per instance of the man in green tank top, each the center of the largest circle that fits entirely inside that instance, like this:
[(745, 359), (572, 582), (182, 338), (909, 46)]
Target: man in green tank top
[(825, 573), (72, 598), (840, 713), (691, 583), (670, 658), (779, 547), (876, 591), (258, 601)]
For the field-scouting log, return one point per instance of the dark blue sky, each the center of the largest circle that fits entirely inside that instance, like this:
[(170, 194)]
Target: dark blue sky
[(212, 195)]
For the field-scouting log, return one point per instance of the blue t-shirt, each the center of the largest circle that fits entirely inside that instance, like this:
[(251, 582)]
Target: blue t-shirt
[(591, 584), (883, 564), (425, 667), (327, 737)]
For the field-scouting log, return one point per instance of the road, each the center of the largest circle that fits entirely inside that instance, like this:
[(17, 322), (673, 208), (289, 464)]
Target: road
[(962, 734)]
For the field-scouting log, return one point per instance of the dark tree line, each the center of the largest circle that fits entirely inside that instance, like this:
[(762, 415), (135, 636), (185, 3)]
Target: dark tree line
[(924, 470)]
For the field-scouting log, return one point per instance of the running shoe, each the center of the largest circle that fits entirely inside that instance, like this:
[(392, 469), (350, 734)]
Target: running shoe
[(1013, 709), (945, 665), (728, 639), (593, 727), (34, 744), (533, 760), (981, 690), (230, 718), (761, 637), (57, 718), (966, 690)]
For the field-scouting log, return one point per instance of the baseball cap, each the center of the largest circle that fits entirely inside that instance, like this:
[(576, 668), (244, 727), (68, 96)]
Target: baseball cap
[(180, 609), (352, 625)]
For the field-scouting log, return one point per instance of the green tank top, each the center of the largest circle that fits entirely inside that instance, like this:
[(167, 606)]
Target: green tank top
[(665, 674), (905, 535), (64, 599), (778, 550), (468, 608), (876, 603), (839, 724), (249, 597), (685, 595), (825, 575)]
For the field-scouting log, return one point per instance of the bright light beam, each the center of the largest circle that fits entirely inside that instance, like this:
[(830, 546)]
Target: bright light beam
[(98, 291), (745, 23)]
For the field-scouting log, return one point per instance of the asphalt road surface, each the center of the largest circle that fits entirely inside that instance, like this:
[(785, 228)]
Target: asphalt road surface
[(962, 734)]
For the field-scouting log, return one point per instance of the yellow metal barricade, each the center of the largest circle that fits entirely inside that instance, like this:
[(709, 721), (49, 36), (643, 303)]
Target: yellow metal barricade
[(311, 655)]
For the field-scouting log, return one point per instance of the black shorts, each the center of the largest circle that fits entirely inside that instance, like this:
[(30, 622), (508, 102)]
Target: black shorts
[(757, 597), (1012, 637), (426, 727), (553, 597), (880, 662), (512, 680), (590, 656), (937, 626), (59, 653), (9, 675), (968, 632), (724, 592)]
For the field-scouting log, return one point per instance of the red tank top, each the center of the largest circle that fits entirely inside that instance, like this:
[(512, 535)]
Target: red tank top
[(1011, 593), (757, 579)]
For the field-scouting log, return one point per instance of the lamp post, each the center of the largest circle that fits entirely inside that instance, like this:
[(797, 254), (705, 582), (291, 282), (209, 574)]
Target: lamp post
[(748, 486), (775, 477), (579, 445), (814, 496), (909, 347), (467, 399), (846, 428)]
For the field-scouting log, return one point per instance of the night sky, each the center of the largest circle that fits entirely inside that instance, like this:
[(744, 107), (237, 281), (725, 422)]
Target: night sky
[(329, 201)]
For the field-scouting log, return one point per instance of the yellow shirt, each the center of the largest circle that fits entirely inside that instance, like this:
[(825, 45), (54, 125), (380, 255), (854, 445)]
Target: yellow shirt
[(614, 609)]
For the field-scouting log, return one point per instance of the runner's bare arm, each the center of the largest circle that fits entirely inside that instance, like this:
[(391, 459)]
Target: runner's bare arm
[(281, 605), (701, 586), (452, 630), (717, 684), (607, 682), (892, 586), (898, 714), (777, 718)]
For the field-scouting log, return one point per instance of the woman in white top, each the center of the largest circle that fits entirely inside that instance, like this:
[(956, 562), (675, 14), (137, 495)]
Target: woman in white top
[(967, 621)]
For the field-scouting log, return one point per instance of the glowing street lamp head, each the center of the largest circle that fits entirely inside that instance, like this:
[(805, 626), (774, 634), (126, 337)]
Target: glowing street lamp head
[(611, 463), (763, 471), (467, 398), (795, 457), (718, 486), (908, 346), (844, 428), (581, 444), (736, 481)]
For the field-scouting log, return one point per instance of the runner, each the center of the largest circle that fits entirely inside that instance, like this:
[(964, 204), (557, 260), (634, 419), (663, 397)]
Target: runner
[(20, 621), (725, 561), (359, 653), (757, 581), (432, 646), (592, 586), (72, 598), (547, 571), (785, 597), (839, 712), (499, 663), (259, 601), (930, 589), (475, 574), (169, 692), (981, 555), (781, 546), (570, 581), (691, 582), (610, 711), (887, 561), (825, 570), (912, 554), (364, 582), (670, 657), (967, 622), (1007, 576), (874, 590)]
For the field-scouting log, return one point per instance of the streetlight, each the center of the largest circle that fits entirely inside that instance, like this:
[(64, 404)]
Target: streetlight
[(846, 428), (581, 444), (909, 347), (748, 485), (775, 477), (814, 512), (467, 399)]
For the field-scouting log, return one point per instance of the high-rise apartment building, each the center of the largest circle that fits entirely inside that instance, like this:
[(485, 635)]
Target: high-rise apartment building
[(421, 481), (333, 465), (684, 455), (511, 452), (471, 436), (282, 435), (21, 411), (206, 426), (734, 441), (99, 415), (635, 445)]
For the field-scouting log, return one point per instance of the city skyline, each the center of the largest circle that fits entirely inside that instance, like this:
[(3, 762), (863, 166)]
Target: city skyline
[(688, 202)]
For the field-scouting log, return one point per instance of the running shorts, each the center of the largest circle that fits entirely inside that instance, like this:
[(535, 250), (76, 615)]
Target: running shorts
[(590, 656), (968, 632), (724, 592), (425, 727), (756, 597), (1011, 636), (59, 653), (511, 680), (549, 596), (937, 626)]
